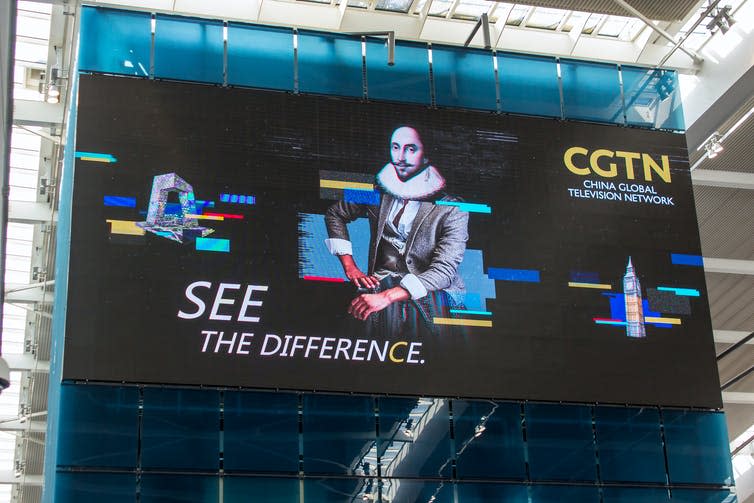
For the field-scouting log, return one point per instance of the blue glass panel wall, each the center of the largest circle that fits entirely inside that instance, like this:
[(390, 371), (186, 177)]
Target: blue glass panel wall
[(702, 496), (407, 80), (258, 441), (697, 446), (161, 488), (180, 429), (114, 41), (634, 495), (560, 442), (630, 444), (413, 490), (329, 64), (333, 490), (72, 487), (338, 431), (259, 56), (415, 437), (489, 442), (528, 85), (484, 493), (188, 49), (464, 78), (266, 489), (564, 494), (652, 98), (261, 432), (98, 426), (591, 91)]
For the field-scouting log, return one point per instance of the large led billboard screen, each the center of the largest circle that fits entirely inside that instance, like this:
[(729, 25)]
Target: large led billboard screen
[(251, 238)]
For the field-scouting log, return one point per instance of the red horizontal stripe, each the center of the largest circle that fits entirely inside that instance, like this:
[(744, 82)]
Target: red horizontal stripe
[(226, 215), (323, 278)]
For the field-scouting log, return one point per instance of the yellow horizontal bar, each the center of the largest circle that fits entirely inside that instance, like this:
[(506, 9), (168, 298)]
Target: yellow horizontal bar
[(669, 321), (337, 184), (461, 321), (206, 217), (125, 227), (599, 286), (95, 159)]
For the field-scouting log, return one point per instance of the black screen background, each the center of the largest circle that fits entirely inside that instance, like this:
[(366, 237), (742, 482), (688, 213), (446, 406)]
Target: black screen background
[(124, 294)]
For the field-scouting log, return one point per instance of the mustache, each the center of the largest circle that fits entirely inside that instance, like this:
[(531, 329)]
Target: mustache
[(402, 164)]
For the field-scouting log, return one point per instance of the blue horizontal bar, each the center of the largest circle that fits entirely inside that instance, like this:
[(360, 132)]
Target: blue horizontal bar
[(470, 207), (462, 311), (525, 275), (127, 202), (370, 197), (684, 292), (213, 244), (603, 322), (682, 259)]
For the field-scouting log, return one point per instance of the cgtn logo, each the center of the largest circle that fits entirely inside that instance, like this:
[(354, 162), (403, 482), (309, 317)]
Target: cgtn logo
[(609, 163)]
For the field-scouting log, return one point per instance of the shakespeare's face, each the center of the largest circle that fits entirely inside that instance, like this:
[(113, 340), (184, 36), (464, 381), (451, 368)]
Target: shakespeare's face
[(407, 152)]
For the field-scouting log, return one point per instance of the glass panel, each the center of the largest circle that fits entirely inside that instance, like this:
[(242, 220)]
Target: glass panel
[(634, 495), (564, 494), (528, 85), (560, 442), (393, 5), (464, 78), (591, 91), (180, 429), (485, 493), (417, 491), (329, 64), (179, 488), (260, 56), (98, 426), (331, 490), (414, 437), (548, 19), (406, 80), (697, 447), (261, 431), (702, 496), (338, 432), (115, 41), (489, 441), (188, 49), (472, 9), (440, 8), (267, 490), (652, 98), (630, 444), (78, 487)]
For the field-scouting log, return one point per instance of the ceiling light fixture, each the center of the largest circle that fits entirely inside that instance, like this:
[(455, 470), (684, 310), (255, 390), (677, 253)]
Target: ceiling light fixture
[(721, 20)]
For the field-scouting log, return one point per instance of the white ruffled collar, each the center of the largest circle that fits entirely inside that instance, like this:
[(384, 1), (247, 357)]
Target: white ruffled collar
[(420, 186)]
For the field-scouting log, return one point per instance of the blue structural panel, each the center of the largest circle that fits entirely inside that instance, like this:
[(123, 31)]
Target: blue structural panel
[(168, 444)]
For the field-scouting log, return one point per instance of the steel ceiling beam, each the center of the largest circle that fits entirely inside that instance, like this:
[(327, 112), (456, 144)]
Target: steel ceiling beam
[(692, 54), (720, 178)]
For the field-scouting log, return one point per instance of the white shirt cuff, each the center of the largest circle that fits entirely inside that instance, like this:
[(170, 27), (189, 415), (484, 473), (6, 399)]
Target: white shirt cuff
[(414, 287), (337, 246)]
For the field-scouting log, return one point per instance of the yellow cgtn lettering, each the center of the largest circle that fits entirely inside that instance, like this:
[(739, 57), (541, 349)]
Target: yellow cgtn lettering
[(575, 160)]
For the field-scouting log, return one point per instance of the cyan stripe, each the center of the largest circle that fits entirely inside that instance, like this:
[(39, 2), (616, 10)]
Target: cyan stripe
[(462, 311), (470, 207), (213, 244), (684, 292)]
